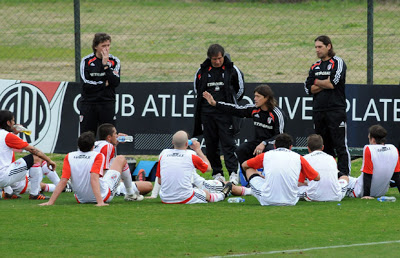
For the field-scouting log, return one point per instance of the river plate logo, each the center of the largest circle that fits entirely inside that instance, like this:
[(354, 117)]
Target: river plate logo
[(36, 105)]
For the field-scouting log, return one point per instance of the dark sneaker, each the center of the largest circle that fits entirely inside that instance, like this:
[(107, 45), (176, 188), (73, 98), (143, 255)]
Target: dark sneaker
[(141, 176), (227, 189), (7, 196), (68, 188), (38, 197)]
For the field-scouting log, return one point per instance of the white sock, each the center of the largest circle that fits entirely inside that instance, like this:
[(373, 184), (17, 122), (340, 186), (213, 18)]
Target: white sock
[(216, 197), (127, 179), (52, 175), (8, 189), (246, 191), (35, 175), (156, 188), (50, 188)]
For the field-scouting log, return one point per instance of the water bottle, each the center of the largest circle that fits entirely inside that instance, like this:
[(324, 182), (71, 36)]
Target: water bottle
[(190, 141), (386, 199), (236, 200), (125, 138), (22, 129)]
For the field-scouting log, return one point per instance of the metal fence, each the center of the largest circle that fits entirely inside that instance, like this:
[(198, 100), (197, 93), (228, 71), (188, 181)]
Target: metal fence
[(166, 40)]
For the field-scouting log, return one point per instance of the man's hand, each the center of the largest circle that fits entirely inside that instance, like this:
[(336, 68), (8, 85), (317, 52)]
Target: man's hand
[(105, 55), (101, 204), (51, 165), (46, 204), (195, 145), (367, 198), (210, 99), (259, 149)]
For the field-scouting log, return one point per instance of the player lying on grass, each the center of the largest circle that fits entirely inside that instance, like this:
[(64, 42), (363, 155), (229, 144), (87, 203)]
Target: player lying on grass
[(85, 169), (380, 164), (175, 169), (13, 171), (329, 188), (108, 140), (283, 170)]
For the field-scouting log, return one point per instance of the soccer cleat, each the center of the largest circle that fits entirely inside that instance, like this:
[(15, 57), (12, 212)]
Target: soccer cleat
[(7, 196), (219, 177), (68, 188), (38, 197), (227, 189), (133, 197), (141, 176), (234, 178)]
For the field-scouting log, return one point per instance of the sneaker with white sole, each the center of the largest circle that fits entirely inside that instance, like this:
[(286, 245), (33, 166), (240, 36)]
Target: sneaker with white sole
[(219, 177), (234, 178), (133, 197)]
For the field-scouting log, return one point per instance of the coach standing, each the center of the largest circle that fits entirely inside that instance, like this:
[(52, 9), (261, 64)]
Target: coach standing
[(100, 73), (224, 81), (326, 82)]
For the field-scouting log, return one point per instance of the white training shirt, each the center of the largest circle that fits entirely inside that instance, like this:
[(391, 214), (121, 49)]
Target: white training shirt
[(78, 165), (108, 151), (175, 168), (8, 142), (283, 170), (380, 161), (328, 188)]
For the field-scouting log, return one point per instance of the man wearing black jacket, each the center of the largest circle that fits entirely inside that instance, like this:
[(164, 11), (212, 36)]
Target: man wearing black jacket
[(100, 73), (326, 82), (224, 81), (268, 121)]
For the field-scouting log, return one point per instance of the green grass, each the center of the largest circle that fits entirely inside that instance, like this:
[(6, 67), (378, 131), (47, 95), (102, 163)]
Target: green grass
[(167, 40), (150, 229)]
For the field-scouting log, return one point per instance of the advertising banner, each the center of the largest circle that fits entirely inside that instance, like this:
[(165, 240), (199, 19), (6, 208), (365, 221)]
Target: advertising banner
[(153, 112)]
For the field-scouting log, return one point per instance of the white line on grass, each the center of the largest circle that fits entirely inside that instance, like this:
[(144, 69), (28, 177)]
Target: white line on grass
[(308, 249)]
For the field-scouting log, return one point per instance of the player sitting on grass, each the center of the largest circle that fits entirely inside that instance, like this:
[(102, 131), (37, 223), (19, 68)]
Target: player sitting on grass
[(380, 164), (212, 186), (108, 139), (175, 169), (85, 169), (329, 188), (283, 170), (14, 171)]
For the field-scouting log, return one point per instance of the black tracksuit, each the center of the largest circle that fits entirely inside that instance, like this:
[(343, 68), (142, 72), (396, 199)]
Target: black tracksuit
[(97, 104), (329, 109), (226, 84), (267, 125)]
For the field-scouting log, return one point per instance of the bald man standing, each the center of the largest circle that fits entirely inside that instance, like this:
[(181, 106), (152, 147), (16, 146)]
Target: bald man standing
[(174, 173)]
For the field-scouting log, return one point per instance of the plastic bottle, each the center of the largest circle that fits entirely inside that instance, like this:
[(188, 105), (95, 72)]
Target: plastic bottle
[(23, 129), (125, 138), (190, 141), (386, 199), (236, 200)]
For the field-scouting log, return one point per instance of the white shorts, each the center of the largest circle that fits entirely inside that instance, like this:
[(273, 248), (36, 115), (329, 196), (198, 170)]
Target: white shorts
[(213, 186), (353, 189), (198, 197), (302, 193), (15, 172), (112, 179), (23, 186)]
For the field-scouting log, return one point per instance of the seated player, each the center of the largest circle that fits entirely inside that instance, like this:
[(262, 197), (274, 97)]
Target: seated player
[(107, 141), (14, 171), (85, 169), (329, 188), (175, 169), (380, 164), (283, 170)]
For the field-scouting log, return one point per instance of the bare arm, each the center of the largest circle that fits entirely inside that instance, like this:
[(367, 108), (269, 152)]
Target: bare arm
[(35, 151), (197, 148), (94, 182), (60, 187)]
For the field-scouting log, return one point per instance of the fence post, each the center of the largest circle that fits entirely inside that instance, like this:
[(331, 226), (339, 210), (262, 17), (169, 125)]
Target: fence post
[(77, 29), (370, 43)]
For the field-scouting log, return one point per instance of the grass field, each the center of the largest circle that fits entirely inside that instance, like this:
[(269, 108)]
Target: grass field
[(167, 40), (150, 229)]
